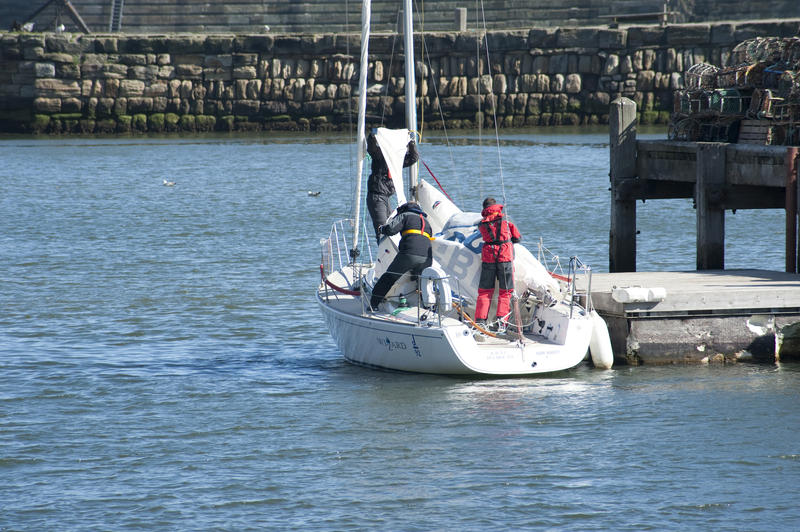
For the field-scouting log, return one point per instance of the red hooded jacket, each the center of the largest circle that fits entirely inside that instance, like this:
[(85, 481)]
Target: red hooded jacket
[(499, 235)]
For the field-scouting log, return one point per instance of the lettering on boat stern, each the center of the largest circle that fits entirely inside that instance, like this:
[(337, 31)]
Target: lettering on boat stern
[(392, 345)]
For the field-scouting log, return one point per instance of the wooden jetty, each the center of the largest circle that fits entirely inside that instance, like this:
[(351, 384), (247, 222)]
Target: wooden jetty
[(712, 313)]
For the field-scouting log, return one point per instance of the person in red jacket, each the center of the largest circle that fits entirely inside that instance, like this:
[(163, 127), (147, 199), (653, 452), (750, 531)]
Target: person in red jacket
[(497, 262)]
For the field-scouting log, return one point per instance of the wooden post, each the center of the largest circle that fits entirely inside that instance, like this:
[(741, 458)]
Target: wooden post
[(791, 210), (622, 233), (461, 19), (708, 195)]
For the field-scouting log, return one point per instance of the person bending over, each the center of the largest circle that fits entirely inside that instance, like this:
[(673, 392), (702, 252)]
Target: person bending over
[(414, 252)]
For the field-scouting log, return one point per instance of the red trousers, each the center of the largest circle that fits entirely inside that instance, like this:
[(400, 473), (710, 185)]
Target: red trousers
[(503, 273)]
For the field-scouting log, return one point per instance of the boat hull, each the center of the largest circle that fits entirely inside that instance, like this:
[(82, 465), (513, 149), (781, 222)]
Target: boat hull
[(376, 341)]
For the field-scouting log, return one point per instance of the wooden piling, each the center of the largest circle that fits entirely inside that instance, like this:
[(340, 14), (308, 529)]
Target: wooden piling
[(622, 233), (709, 196), (792, 192)]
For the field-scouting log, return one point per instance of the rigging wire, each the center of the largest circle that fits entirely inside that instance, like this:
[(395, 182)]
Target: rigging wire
[(425, 52), (494, 109)]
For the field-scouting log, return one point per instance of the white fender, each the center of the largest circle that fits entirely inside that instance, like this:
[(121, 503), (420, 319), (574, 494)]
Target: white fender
[(600, 344)]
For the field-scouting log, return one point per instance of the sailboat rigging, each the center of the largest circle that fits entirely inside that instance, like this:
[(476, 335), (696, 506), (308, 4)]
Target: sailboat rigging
[(426, 323)]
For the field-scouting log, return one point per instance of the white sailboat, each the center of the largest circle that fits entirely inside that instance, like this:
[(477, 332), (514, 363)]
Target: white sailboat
[(425, 325)]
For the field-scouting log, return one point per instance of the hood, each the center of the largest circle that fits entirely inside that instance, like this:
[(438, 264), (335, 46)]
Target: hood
[(492, 212)]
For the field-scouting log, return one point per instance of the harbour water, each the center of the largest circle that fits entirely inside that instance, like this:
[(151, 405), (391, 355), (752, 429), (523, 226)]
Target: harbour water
[(164, 366)]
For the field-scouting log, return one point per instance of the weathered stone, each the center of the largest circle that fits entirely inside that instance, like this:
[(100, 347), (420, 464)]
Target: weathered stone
[(44, 70), (218, 61), (131, 87), (149, 72), (56, 88), (557, 83), (57, 57), (611, 66), (245, 72), (558, 64), (646, 36), (499, 84), (132, 59), (572, 84), (186, 71), (678, 34), (645, 80), (47, 105)]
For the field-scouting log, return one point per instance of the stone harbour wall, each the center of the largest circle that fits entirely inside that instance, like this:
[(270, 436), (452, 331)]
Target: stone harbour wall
[(70, 83)]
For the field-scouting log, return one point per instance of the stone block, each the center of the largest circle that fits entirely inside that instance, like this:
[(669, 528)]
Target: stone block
[(693, 34), (499, 84), (217, 74), (254, 43), (500, 41), (639, 36), (645, 80), (47, 105), (156, 89), (62, 43), (184, 44), (557, 83), (140, 105), (541, 38), (723, 34), (131, 87), (219, 44), (611, 65), (610, 39), (106, 45), (193, 72), (132, 59), (245, 59), (218, 61), (56, 88), (148, 72), (558, 64), (44, 70), (574, 37), (246, 107), (57, 57), (71, 105), (572, 84), (245, 72)]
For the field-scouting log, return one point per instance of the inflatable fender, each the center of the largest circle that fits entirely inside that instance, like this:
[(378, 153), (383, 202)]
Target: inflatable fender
[(600, 344), (436, 287)]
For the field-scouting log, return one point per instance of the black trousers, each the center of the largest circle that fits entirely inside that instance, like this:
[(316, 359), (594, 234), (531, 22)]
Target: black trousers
[(401, 264), (379, 210)]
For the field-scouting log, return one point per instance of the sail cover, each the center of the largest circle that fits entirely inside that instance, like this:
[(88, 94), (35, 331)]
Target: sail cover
[(394, 144)]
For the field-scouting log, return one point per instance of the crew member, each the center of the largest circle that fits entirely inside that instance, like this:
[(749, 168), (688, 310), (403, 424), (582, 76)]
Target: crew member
[(414, 252), (379, 184), (497, 262)]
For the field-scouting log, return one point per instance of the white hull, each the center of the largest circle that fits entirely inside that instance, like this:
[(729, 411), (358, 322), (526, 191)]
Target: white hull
[(401, 343)]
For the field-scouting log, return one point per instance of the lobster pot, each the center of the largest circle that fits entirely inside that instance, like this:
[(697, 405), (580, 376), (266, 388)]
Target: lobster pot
[(700, 76), (726, 77), (730, 101), (772, 77)]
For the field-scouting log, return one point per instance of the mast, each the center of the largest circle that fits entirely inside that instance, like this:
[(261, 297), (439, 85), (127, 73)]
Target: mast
[(366, 13), (411, 91)]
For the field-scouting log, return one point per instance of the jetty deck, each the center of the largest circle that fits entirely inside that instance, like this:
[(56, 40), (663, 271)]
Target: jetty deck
[(700, 316), (710, 313)]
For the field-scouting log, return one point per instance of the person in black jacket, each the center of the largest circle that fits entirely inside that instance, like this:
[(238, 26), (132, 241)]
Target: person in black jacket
[(379, 186), (414, 252)]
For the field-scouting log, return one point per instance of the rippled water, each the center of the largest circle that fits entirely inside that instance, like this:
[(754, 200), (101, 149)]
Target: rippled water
[(164, 365)]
